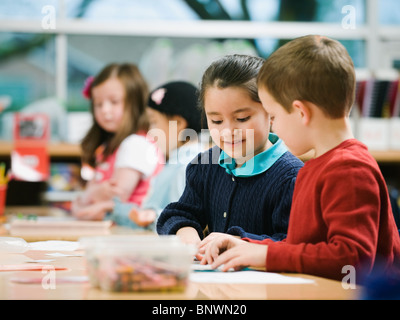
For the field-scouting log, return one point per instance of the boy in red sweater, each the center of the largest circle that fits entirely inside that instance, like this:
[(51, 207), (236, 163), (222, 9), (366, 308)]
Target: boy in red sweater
[(341, 214)]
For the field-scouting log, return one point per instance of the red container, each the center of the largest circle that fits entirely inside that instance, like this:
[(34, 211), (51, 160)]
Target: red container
[(3, 194)]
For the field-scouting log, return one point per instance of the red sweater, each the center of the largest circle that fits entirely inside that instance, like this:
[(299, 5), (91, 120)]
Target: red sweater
[(341, 215)]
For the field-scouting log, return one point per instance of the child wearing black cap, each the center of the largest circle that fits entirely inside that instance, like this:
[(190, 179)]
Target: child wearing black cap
[(175, 124)]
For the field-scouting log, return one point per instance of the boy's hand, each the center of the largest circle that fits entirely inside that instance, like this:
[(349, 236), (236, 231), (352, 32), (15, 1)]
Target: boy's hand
[(218, 244), (202, 246), (234, 253)]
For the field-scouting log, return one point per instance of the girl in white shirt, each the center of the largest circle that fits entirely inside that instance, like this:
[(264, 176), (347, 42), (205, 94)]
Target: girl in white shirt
[(123, 159)]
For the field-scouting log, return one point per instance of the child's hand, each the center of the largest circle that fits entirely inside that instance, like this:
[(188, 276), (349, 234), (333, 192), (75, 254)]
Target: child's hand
[(95, 211), (188, 235), (212, 236), (142, 217), (234, 253), (202, 247), (98, 192), (219, 243), (108, 190)]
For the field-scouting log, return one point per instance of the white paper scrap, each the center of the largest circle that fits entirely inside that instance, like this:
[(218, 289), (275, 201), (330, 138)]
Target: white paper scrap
[(54, 245), (203, 267), (59, 254), (40, 261), (256, 277)]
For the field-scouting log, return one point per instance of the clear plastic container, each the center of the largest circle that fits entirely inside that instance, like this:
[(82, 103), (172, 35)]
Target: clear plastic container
[(94, 246), (138, 263)]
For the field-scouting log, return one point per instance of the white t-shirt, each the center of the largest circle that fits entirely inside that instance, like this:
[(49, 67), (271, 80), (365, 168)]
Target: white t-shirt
[(136, 152)]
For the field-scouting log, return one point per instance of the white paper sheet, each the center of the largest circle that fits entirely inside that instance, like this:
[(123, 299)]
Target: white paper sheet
[(54, 245), (256, 277), (203, 267), (59, 254)]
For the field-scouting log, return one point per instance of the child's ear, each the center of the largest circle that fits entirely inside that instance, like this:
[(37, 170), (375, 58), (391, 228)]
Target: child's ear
[(180, 121), (303, 110)]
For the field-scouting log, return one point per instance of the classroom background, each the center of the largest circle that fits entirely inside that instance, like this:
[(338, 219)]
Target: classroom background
[(49, 47)]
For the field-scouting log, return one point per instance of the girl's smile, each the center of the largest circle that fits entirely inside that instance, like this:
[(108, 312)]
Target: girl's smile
[(238, 125)]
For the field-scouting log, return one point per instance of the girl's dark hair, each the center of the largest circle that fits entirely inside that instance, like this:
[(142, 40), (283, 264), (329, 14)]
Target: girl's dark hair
[(232, 71), (134, 119)]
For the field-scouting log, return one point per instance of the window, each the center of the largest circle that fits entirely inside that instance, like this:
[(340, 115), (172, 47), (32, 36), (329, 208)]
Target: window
[(49, 47)]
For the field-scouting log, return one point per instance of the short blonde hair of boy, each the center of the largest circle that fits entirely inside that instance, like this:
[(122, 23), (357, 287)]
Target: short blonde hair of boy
[(311, 68)]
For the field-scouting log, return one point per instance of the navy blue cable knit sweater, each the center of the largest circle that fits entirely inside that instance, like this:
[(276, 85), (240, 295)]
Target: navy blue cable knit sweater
[(257, 207)]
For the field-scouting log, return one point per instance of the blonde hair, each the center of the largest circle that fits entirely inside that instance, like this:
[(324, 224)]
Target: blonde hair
[(311, 68), (134, 119)]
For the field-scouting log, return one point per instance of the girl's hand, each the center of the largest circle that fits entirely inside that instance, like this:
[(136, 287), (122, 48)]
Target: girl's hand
[(142, 217), (105, 190), (188, 235), (94, 211), (234, 253)]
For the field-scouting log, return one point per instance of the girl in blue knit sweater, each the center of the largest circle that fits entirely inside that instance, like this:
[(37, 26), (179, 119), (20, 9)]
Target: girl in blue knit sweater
[(244, 184)]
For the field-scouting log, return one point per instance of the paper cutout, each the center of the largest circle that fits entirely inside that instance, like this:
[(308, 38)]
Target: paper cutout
[(29, 267), (30, 163), (29, 158), (58, 280)]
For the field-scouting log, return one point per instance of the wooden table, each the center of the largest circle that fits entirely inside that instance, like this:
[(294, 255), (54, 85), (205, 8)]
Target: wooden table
[(321, 288)]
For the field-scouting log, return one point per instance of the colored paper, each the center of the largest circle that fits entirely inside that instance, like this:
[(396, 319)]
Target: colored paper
[(29, 267)]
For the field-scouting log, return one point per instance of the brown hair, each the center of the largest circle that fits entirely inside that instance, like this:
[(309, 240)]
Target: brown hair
[(134, 120), (314, 69), (232, 71)]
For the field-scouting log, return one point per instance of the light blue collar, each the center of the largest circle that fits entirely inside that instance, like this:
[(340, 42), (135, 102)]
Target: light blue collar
[(259, 163)]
